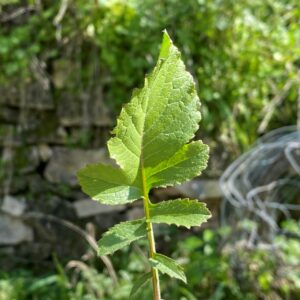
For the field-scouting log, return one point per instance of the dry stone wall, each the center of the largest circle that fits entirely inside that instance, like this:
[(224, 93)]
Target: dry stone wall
[(44, 140)]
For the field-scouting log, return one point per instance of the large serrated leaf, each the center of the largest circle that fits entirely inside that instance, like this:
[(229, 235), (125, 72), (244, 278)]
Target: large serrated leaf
[(167, 265), (121, 235), (180, 212), (138, 286), (152, 146), (154, 127), (151, 141)]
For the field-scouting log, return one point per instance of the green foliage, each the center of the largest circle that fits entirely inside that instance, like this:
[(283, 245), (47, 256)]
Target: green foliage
[(107, 184), (219, 268), (153, 149), (216, 270), (181, 212), (151, 136), (168, 266), (140, 283), (242, 54), (154, 127), (122, 235), (20, 44)]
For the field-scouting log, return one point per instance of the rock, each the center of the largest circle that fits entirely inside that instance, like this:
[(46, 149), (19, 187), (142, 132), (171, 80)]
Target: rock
[(37, 185), (89, 208), (38, 125), (200, 189), (8, 136), (13, 206), (134, 213), (35, 96), (65, 163), (13, 231), (82, 110), (37, 128), (33, 127), (9, 115), (17, 161), (45, 152), (21, 160), (9, 93), (26, 159), (7, 155), (15, 184), (161, 194), (62, 71)]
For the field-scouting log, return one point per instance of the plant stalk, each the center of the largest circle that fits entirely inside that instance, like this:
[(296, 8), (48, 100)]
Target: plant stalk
[(150, 233)]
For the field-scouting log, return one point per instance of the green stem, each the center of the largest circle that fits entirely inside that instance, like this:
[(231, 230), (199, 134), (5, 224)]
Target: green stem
[(150, 233)]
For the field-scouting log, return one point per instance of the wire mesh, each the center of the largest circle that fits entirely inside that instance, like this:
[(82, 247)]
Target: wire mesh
[(263, 184)]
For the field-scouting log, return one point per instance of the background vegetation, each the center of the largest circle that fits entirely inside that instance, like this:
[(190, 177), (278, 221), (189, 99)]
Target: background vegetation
[(243, 54), (215, 270), (245, 58)]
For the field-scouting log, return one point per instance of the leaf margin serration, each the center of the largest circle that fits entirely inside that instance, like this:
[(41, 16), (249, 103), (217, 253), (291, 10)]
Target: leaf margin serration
[(203, 214), (120, 234)]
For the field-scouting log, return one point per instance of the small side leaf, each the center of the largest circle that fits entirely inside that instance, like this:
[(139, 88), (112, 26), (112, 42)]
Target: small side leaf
[(139, 284), (180, 212), (107, 184), (167, 265), (121, 235)]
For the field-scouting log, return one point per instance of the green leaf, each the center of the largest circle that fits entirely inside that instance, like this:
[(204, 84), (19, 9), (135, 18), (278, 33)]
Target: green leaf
[(168, 266), (151, 142), (121, 235), (181, 212), (185, 164), (155, 125), (139, 285), (107, 184)]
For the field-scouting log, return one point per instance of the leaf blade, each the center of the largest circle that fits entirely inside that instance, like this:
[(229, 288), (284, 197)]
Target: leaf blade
[(107, 184), (184, 165), (180, 212), (121, 235), (160, 118), (168, 266), (136, 290)]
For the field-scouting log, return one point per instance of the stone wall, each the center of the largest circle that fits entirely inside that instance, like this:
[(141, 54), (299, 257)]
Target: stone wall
[(43, 143)]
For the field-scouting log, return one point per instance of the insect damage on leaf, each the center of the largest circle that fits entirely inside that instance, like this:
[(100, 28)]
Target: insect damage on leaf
[(152, 146)]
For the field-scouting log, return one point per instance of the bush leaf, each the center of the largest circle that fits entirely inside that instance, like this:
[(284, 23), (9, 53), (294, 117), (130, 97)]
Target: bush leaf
[(185, 164), (155, 125), (180, 212), (167, 265), (152, 147), (121, 235), (139, 284), (151, 142), (107, 184)]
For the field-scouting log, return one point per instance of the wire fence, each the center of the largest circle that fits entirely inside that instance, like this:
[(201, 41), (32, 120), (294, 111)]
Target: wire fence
[(263, 185)]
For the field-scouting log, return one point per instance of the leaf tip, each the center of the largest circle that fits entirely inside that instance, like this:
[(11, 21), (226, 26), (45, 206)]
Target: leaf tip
[(165, 46)]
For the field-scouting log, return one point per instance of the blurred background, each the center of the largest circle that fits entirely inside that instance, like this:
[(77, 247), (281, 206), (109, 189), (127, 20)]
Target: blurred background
[(66, 68)]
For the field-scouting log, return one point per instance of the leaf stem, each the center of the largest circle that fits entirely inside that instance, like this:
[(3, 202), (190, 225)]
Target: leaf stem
[(150, 233)]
